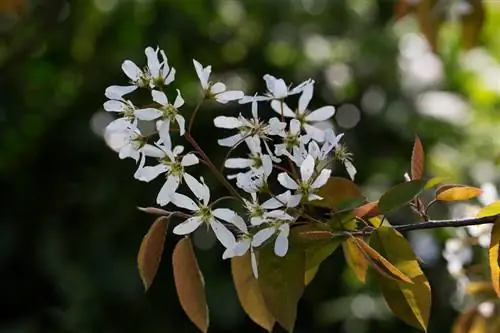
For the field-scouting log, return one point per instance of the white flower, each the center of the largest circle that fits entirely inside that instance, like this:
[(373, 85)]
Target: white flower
[(160, 74), (167, 112), (290, 139), (305, 117), (282, 228), (482, 233), (203, 213), (242, 246), (123, 107), (308, 184), (260, 163), (276, 90), (252, 181), (126, 140), (216, 90), (248, 127), (260, 212), (170, 163)]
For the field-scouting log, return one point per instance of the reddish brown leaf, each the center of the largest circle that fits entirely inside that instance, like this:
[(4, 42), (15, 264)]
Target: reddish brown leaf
[(367, 210), (464, 322), (402, 8), (316, 235), (429, 18), (417, 159), (151, 250), (189, 284), (472, 24)]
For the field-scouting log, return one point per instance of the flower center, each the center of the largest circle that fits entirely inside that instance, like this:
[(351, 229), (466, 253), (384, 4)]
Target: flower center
[(205, 213), (169, 112)]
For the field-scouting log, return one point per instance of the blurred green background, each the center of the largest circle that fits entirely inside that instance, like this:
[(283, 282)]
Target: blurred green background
[(70, 230)]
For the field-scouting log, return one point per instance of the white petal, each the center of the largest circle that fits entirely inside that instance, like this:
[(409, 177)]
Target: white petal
[(181, 122), (279, 215), (261, 236), (242, 246), (114, 106), (294, 200), (305, 98), (324, 113), (223, 234), (321, 180), (255, 113), (159, 97), (189, 159), (230, 141), (117, 92), (253, 259), (164, 132), (312, 197), (286, 181), (294, 126), (147, 114), (300, 87), (166, 191), (351, 170), (149, 173), (229, 95), (315, 133), (277, 87), (227, 122), (307, 168), (131, 70), (128, 151), (276, 202), (282, 109), (121, 125), (313, 149), (183, 201), (230, 216), (152, 60), (256, 220), (203, 73), (238, 163), (281, 243), (195, 186), (179, 101), (217, 88), (267, 165), (152, 151), (170, 77), (188, 226), (250, 99)]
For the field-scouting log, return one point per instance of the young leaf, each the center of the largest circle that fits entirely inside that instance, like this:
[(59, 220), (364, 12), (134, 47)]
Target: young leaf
[(336, 191), (379, 263), (490, 210), (400, 195), (151, 250), (189, 284), (472, 23), (281, 281), (434, 181), (247, 288), (355, 259), (417, 160), (410, 302), (493, 256), (458, 193), (369, 209)]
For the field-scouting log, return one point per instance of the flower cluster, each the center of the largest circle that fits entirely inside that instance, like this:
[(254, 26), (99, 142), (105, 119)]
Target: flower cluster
[(288, 147)]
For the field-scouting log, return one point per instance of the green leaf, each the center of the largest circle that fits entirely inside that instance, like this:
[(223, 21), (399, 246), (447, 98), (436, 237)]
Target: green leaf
[(355, 259), (400, 195), (281, 281), (410, 302), (417, 159), (493, 256), (490, 210), (151, 250), (458, 193), (247, 288), (189, 284), (336, 191), (434, 181)]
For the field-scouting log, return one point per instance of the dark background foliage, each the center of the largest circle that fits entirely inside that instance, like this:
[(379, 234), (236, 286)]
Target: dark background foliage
[(70, 230)]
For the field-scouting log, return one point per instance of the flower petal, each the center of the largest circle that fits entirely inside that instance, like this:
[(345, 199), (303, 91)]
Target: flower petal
[(131, 70), (294, 200), (282, 108), (183, 201), (278, 201), (147, 114), (307, 168), (227, 122), (281, 243), (164, 132), (286, 181), (114, 106), (321, 180), (188, 226), (117, 92), (253, 259), (305, 98), (324, 113), (230, 216), (238, 163), (166, 191), (189, 159), (223, 234), (203, 73), (179, 101), (231, 140), (159, 97), (351, 170), (217, 88), (181, 122), (315, 133), (147, 174), (229, 95), (195, 186), (261, 236)]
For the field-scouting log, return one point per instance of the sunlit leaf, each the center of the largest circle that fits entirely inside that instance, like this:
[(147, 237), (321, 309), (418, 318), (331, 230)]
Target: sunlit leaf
[(490, 210), (410, 302), (310, 274), (151, 250), (378, 262), (247, 288), (417, 160), (400, 195), (281, 281), (434, 181), (189, 284), (369, 209), (336, 191), (472, 23), (355, 259), (493, 256), (458, 193), (481, 289), (464, 322)]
